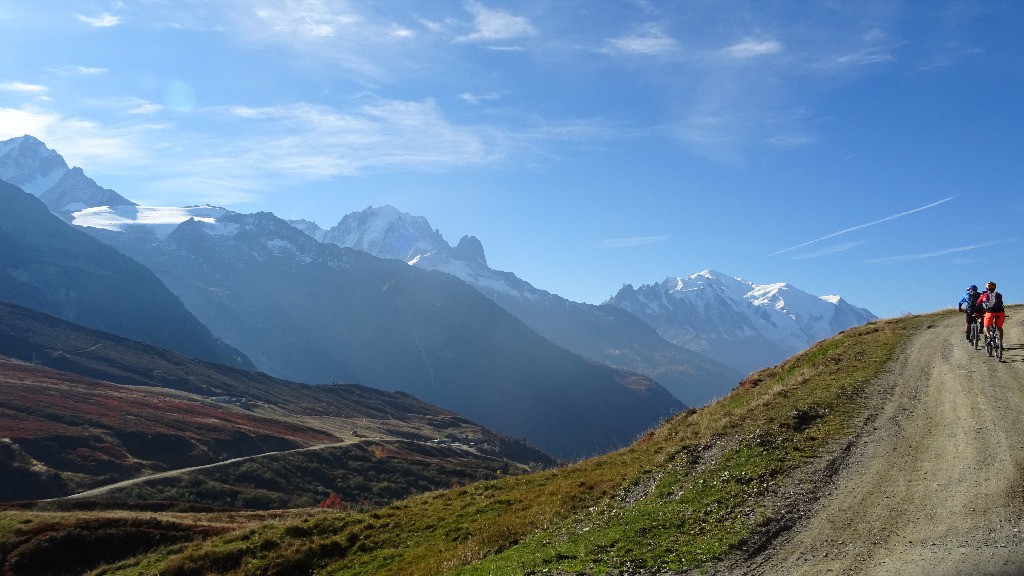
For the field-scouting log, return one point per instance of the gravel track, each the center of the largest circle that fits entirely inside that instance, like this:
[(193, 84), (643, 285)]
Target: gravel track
[(935, 484)]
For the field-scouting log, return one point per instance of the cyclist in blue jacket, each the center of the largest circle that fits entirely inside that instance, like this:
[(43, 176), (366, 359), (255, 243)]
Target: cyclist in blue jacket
[(969, 304)]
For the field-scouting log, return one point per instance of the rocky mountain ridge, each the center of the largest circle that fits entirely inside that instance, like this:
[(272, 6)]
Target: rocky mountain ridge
[(710, 327), (747, 325)]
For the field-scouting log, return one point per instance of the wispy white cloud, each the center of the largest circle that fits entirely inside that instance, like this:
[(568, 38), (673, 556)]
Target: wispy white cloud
[(435, 26), (830, 250), (316, 141), (475, 99), (752, 48), (104, 20), (649, 40), (937, 253), (16, 122), (863, 58), (490, 25), (344, 34), (260, 148), (862, 226), (127, 105), (398, 31), (630, 242), (304, 19), (225, 190), (794, 140), (22, 87), (83, 142), (81, 70)]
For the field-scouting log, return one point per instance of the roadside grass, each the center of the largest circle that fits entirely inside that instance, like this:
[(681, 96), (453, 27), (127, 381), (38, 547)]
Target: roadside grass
[(700, 487)]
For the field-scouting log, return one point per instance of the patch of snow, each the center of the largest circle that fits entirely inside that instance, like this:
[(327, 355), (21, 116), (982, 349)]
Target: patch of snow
[(416, 260), (486, 280), (160, 219)]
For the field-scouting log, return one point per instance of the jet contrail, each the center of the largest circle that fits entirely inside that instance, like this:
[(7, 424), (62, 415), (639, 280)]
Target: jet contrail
[(946, 252), (886, 219)]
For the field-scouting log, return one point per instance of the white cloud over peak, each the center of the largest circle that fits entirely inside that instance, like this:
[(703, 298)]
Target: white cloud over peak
[(17, 122), (82, 142)]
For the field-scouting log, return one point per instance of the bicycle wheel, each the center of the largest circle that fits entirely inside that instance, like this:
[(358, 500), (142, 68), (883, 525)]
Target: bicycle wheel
[(975, 335), (989, 344), (999, 350)]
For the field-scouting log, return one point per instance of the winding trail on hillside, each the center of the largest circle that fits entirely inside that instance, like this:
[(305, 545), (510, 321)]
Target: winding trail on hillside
[(93, 492), (936, 483), (181, 471)]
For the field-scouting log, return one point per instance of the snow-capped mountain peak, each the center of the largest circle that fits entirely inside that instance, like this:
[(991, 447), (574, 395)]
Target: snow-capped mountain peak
[(387, 232), (30, 165), (714, 313)]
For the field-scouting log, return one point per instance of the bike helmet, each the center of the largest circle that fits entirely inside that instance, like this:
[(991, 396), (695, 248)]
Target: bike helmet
[(990, 283), (972, 288)]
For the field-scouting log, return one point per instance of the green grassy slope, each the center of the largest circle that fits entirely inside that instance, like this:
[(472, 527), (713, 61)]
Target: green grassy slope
[(700, 488)]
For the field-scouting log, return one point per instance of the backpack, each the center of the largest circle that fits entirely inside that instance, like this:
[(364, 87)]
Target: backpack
[(972, 302)]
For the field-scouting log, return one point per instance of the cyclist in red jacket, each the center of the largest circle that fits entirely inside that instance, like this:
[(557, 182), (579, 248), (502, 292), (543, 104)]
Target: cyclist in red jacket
[(992, 303)]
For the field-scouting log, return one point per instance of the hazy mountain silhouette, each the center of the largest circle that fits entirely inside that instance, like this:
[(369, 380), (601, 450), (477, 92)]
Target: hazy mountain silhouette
[(319, 313), (51, 266)]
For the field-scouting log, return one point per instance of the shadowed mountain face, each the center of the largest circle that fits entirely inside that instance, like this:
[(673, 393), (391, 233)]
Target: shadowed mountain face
[(48, 265), (81, 408), (319, 313), (604, 333)]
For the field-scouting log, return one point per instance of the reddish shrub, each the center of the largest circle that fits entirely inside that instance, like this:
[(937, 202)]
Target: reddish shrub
[(333, 502)]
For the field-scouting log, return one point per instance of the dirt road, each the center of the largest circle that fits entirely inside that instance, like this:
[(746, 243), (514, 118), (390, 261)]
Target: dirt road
[(936, 485), (181, 471)]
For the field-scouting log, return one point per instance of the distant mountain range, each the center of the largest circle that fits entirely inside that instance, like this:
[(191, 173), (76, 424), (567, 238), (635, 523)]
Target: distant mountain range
[(364, 301), (318, 313), (603, 333), (315, 312), (747, 325), (696, 335)]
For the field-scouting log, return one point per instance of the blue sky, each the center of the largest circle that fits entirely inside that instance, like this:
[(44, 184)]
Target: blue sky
[(871, 149)]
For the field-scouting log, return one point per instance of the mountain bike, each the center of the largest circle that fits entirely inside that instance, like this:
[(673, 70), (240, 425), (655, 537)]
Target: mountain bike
[(994, 342), (974, 334)]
